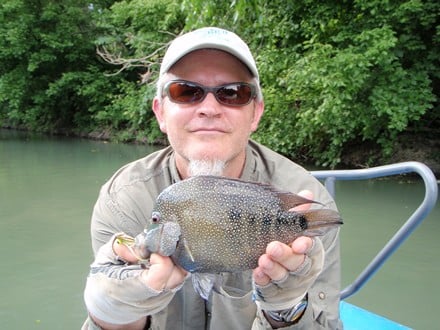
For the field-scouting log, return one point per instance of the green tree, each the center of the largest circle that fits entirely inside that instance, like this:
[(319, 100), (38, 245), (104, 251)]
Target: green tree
[(337, 74), (134, 36), (49, 62), (334, 75)]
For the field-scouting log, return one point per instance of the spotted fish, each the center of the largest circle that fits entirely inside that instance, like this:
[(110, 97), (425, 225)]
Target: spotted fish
[(210, 224)]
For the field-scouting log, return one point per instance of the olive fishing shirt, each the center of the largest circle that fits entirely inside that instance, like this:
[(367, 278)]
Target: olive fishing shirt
[(125, 204)]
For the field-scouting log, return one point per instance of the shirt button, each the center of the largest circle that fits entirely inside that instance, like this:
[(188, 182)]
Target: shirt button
[(321, 295)]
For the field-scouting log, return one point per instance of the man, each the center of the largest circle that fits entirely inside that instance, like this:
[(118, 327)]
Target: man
[(208, 103)]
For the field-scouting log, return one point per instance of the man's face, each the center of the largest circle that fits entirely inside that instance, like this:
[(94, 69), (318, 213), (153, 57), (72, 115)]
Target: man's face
[(208, 130)]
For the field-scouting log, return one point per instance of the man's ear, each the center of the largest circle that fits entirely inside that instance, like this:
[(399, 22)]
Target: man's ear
[(258, 112), (158, 112)]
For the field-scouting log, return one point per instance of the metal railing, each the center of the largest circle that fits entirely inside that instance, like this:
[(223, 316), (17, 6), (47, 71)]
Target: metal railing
[(428, 203)]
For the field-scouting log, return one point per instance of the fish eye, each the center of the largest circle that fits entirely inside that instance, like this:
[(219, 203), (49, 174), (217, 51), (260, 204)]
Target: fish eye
[(155, 217)]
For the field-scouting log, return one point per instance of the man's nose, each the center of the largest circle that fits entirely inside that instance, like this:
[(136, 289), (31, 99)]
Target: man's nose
[(210, 107)]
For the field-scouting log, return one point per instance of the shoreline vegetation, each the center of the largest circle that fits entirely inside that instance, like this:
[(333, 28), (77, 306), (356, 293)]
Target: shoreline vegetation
[(351, 84), (407, 148)]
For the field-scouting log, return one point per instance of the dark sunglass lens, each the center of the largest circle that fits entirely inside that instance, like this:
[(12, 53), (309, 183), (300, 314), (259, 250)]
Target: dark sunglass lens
[(235, 94), (185, 93)]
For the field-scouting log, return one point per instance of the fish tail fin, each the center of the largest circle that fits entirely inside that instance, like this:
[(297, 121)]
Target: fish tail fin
[(317, 220)]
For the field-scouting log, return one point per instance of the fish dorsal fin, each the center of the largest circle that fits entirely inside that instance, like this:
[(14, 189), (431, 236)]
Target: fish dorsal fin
[(290, 200)]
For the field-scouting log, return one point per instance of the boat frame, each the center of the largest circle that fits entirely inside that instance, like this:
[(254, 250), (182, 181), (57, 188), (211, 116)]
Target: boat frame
[(352, 316)]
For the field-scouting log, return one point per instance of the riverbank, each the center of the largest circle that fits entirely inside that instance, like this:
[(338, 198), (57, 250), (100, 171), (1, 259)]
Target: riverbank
[(407, 148), (362, 155)]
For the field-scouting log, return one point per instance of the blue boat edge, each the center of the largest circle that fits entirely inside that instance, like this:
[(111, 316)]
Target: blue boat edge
[(356, 318), (353, 317)]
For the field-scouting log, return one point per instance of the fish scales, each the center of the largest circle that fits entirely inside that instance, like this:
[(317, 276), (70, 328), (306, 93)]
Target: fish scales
[(226, 224)]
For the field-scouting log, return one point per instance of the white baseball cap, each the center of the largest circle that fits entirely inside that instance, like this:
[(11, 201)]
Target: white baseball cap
[(208, 37)]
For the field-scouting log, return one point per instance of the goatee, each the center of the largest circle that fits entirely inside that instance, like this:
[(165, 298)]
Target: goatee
[(206, 167)]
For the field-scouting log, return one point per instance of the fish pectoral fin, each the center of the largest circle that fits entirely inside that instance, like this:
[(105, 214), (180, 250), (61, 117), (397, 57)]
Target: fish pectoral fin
[(188, 250)]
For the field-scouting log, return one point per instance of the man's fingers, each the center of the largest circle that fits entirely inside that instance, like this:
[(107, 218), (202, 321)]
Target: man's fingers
[(163, 273), (280, 259), (271, 268), (275, 264), (285, 256), (124, 252), (302, 245), (260, 277), (177, 277), (159, 272)]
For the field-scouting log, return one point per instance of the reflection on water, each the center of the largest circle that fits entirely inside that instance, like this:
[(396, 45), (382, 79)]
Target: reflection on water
[(47, 190)]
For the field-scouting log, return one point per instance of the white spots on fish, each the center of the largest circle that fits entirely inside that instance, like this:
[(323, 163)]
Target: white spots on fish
[(226, 224)]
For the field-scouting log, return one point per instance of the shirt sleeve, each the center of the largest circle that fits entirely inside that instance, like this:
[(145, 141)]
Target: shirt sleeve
[(125, 202)]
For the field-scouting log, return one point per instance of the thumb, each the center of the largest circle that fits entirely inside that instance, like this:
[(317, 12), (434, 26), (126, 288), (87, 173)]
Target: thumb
[(125, 251)]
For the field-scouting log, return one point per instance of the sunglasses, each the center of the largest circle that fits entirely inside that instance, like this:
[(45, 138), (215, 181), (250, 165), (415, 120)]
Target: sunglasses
[(234, 94)]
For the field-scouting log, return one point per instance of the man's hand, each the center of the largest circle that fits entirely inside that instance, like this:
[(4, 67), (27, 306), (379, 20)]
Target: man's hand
[(121, 291), (162, 273), (280, 259), (287, 271)]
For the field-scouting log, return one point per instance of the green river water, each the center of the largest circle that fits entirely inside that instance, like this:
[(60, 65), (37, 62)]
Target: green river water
[(47, 190)]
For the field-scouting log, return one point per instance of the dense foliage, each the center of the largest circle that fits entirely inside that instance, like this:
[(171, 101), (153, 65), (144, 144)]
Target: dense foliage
[(337, 73), (50, 74), (334, 74)]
